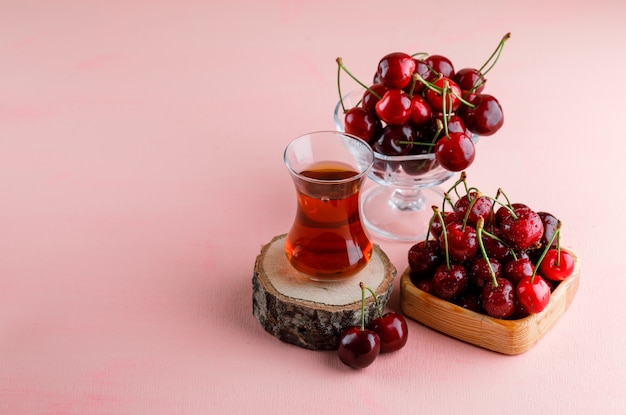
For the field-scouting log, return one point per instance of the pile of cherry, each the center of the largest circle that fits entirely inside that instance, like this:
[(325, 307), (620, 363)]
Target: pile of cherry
[(419, 104), (491, 256)]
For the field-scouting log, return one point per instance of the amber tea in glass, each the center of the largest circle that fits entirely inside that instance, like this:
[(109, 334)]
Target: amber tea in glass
[(328, 240)]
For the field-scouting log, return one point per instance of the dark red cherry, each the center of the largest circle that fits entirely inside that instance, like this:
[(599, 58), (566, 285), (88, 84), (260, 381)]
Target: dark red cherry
[(421, 69), (392, 331), (470, 301), (462, 242), (421, 113), (523, 231), (425, 285), (550, 223), (518, 269), (478, 271), (441, 64), (498, 301), (362, 124), (450, 282), (436, 228), (485, 118), (494, 247), (469, 79), (423, 258), (392, 141), (481, 207), (358, 348), (505, 211), (456, 152), (369, 100), (394, 107), (396, 69)]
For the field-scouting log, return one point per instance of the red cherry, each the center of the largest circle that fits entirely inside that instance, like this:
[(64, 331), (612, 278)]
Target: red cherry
[(369, 100), (394, 107), (424, 72), (421, 112), (498, 301), (550, 223), (358, 348), (455, 152), (495, 249), (362, 124), (557, 267), (481, 207), (441, 64), (505, 211), (462, 242), (533, 293), (393, 140), (479, 273), (423, 258), (395, 70), (436, 228), (435, 98), (392, 331), (450, 282), (455, 124), (518, 269), (469, 78), (486, 117), (523, 231)]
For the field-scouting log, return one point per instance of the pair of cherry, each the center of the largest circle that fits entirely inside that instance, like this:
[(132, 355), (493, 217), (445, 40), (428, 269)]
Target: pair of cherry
[(503, 261), (359, 346)]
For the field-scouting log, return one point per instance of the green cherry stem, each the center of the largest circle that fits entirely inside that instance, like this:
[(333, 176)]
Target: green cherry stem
[(479, 233), (362, 305), (378, 309), (342, 67), (443, 232), (496, 54), (547, 248)]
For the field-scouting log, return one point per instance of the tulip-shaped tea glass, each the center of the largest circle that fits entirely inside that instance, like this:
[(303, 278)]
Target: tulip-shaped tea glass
[(327, 240), (400, 207)]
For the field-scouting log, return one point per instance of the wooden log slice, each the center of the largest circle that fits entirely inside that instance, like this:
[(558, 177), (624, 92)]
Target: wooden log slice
[(312, 314)]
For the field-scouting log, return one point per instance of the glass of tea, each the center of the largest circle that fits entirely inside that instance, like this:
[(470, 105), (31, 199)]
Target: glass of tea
[(328, 241)]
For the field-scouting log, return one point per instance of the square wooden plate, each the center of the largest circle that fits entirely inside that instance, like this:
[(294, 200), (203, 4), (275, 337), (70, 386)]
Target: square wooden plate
[(504, 336)]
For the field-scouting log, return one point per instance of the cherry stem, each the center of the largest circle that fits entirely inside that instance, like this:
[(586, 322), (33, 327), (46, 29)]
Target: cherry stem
[(419, 143), (547, 248), (342, 67), (362, 305), (480, 224), (446, 114), (496, 53), (471, 205), (443, 232), (506, 205), (460, 180), (446, 198), (378, 309)]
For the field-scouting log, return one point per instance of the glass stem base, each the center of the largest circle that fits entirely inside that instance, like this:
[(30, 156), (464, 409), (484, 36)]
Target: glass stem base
[(400, 214)]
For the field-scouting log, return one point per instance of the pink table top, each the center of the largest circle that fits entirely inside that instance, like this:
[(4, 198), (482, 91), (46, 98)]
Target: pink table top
[(141, 172)]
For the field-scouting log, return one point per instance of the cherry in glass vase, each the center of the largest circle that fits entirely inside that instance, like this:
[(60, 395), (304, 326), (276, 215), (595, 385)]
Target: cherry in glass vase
[(328, 240), (398, 206)]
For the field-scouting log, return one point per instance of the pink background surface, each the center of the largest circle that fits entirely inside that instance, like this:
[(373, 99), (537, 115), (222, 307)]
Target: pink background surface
[(141, 171)]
